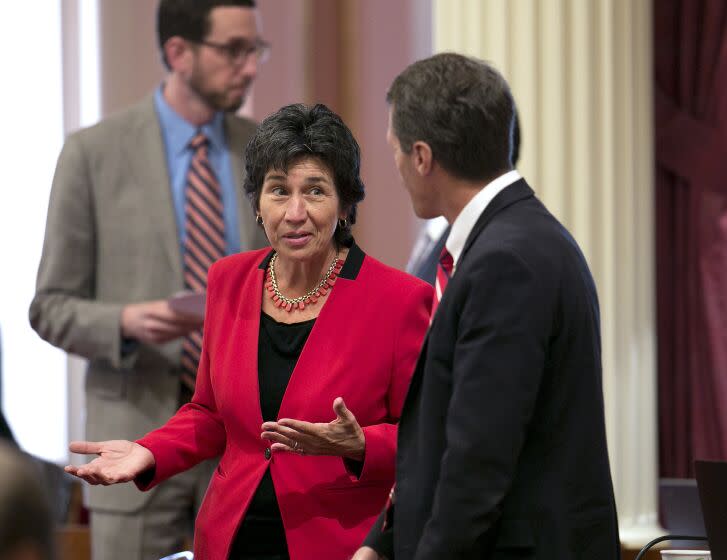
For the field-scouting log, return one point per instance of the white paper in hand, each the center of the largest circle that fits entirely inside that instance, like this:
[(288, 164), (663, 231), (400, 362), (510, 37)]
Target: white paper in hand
[(188, 303)]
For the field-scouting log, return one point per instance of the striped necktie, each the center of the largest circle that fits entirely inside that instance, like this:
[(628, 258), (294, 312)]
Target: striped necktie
[(445, 266), (204, 242)]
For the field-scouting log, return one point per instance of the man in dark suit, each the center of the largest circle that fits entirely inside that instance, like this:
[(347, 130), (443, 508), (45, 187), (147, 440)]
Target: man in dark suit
[(502, 445)]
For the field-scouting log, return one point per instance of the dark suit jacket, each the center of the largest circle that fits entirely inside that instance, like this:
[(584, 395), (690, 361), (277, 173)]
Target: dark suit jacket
[(502, 445)]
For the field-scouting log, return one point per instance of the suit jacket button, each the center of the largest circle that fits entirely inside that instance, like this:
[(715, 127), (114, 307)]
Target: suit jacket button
[(267, 453)]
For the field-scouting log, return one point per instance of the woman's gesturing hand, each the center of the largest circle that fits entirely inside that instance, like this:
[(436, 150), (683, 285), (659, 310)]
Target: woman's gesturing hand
[(118, 461), (366, 553), (342, 437)]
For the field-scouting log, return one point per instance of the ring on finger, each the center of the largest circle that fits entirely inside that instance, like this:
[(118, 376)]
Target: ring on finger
[(295, 446)]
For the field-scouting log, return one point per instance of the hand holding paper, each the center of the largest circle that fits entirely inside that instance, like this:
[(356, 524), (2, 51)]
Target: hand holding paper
[(188, 303), (159, 321)]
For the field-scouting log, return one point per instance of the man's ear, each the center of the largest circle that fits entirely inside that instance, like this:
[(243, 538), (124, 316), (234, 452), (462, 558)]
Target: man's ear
[(421, 152), (178, 53)]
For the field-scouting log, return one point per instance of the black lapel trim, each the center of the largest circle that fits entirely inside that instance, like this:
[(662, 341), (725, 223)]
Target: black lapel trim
[(353, 263), (516, 192), (266, 261), (350, 269)]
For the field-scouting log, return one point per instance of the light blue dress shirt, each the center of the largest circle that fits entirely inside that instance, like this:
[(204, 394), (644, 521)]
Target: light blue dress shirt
[(177, 133)]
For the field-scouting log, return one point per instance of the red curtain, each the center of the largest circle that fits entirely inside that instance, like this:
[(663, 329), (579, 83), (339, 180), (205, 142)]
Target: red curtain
[(690, 55)]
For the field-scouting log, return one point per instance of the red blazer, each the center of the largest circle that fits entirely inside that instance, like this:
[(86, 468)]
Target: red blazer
[(363, 347)]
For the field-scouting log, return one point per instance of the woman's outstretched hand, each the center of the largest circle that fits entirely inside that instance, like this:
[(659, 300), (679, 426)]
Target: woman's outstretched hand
[(118, 461), (366, 553), (341, 437)]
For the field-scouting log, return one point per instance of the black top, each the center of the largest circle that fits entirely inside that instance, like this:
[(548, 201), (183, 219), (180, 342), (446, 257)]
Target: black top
[(261, 533)]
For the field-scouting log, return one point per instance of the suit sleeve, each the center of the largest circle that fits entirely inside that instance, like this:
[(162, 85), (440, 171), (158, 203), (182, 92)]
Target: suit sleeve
[(64, 311), (196, 432), (382, 541), (413, 321), (497, 366)]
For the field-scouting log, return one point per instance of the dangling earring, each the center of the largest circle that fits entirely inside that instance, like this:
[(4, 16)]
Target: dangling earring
[(342, 223), (259, 219)]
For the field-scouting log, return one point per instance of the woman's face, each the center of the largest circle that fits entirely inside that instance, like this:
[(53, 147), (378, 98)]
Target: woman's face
[(300, 210)]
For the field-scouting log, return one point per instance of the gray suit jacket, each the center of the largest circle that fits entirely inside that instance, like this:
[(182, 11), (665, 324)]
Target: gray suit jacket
[(111, 239)]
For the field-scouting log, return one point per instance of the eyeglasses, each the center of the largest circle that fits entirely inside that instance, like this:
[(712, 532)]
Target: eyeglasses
[(240, 51)]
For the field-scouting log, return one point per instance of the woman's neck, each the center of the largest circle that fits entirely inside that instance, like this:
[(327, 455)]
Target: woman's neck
[(296, 278)]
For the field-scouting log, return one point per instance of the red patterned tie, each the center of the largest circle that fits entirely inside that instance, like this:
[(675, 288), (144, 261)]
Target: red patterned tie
[(204, 244), (444, 272)]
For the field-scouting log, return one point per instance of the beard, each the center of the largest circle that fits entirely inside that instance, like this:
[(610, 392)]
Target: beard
[(218, 99)]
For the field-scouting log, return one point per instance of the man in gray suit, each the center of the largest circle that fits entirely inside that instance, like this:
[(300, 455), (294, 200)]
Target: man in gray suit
[(115, 250)]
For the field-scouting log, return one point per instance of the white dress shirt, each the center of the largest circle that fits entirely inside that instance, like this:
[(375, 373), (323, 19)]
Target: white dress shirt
[(469, 215)]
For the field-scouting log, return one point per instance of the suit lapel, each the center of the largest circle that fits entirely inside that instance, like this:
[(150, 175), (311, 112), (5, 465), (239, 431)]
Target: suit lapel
[(312, 357), (416, 378), (246, 386), (236, 141), (514, 193), (318, 349), (144, 152)]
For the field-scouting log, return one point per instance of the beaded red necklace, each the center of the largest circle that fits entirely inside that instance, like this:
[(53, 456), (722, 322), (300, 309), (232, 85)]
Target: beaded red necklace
[(311, 297)]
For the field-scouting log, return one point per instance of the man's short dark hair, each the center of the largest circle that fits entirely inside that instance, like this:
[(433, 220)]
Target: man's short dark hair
[(25, 513), (297, 132), (462, 108), (188, 19)]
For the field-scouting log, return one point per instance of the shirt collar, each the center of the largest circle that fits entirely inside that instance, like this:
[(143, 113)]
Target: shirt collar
[(179, 132), (469, 215), (435, 227)]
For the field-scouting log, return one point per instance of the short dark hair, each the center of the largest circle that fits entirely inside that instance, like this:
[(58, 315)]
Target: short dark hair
[(462, 108), (300, 131), (188, 19), (515, 153), (25, 510)]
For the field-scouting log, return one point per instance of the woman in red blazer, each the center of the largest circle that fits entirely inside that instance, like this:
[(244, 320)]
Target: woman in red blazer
[(307, 355)]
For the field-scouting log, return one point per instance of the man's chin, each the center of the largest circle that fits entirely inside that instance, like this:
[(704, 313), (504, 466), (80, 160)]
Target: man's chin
[(233, 105), (425, 213), (227, 104)]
